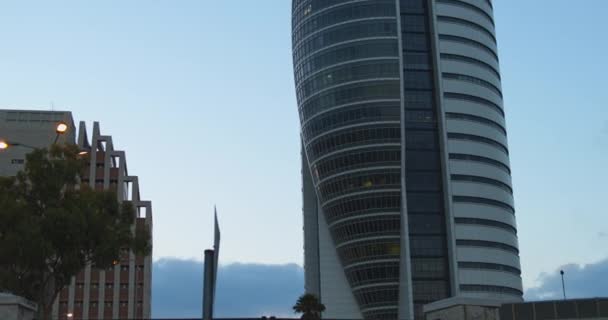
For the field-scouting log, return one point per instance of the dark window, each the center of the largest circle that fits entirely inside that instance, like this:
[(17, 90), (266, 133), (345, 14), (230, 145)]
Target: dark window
[(415, 42), (416, 61), (357, 92), (420, 119), (476, 100), (471, 7), (413, 23), (486, 222), (484, 201), (363, 204), (429, 268), (469, 42), (352, 137), (427, 246), (474, 80), (366, 227), (373, 272), (469, 60), (424, 202), (421, 160), (470, 157), (345, 32), (428, 290), (369, 250), (482, 120), (426, 224), (415, 79), (479, 139), (421, 140), (488, 266), (377, 296), (423, 182), (482, 180), (469, 24), (486, 288), (378, 111), (487, 244)]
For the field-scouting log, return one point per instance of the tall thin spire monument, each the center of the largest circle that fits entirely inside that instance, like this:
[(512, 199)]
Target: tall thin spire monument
[(405, 162), (210, 272)]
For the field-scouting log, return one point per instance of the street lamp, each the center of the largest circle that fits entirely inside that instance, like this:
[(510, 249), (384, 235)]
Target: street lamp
[(61, 128), (7, 144)]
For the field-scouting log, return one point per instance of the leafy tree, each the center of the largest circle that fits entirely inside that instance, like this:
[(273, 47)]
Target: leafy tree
[(310, 307), (52, 226)]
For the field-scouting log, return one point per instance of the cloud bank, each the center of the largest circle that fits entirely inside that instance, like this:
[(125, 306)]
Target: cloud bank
[(582, 281), (243, 290), (255, 290)]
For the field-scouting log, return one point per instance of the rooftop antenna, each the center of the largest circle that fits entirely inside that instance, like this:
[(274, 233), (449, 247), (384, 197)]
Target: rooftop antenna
[(563, 283), (52, 106)]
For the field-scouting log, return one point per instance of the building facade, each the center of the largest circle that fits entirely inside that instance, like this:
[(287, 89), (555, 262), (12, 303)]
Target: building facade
[(406, 178), (124, 290)]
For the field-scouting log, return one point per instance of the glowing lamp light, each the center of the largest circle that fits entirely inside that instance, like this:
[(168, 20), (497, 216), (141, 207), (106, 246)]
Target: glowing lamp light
[(70, 315), (3, 145), (62, 127)]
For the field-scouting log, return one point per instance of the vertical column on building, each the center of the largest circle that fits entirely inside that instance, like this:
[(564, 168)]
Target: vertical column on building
[(423, 170)]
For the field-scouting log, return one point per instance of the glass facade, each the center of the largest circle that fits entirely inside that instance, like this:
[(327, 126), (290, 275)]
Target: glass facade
[(424, 183), (346, 64)]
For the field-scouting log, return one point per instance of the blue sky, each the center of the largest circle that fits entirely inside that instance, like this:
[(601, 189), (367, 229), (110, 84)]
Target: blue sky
[(200, 94)]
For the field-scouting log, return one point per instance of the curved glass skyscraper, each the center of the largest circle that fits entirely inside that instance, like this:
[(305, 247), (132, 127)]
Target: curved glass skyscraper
[(406, 179)]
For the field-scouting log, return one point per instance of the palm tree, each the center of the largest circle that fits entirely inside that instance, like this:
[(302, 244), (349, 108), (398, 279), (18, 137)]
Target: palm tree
[(310, 307)]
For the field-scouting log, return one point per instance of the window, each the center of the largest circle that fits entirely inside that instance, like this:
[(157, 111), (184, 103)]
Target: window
[(482, 180), (469, 24), (484, 201), (486, 222), (379, 202), (424, 202), (474, 99), (427, 268), (415, 79), (474, 80), (418, 99), (428, 246), (421, 140), (472, 118), (487, 244), (488, 266), (413, 23), (469, 157), (471, 7), (478, 139), (421, 160), (472, 61), (469, 42), (426, 224), (487, 288)]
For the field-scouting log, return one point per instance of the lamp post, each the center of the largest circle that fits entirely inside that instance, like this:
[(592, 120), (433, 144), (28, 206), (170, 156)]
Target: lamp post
[(60, 129), (4, 145), (563, 283)]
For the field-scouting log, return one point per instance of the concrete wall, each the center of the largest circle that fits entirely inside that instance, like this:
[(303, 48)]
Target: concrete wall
[(16, 308)]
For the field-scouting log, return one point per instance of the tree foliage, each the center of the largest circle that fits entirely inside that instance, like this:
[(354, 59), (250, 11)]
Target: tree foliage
[(52, 226), (310, 307)]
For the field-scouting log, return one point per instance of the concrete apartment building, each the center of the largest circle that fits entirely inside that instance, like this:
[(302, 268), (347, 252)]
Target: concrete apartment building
[(405, 161), (123, 291)]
